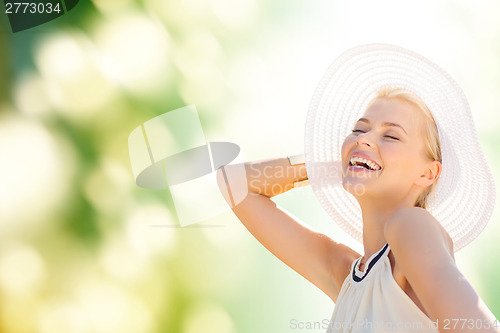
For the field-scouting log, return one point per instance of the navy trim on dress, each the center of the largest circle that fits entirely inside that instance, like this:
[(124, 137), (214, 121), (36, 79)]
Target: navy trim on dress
[(358, 279)]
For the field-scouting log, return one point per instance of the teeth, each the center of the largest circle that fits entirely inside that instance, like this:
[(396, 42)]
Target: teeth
[(371, 164)]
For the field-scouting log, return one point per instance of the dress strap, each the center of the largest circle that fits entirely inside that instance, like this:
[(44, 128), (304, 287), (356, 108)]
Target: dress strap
[(371, 262)]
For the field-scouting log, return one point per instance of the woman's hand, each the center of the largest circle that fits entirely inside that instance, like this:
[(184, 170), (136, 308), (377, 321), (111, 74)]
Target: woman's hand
[(267, 177)]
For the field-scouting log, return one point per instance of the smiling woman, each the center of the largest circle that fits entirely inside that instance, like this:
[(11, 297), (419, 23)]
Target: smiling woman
[(395, 153), (413, 120)]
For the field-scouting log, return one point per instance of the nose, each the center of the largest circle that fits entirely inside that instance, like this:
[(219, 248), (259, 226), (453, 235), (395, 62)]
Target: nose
[(364, 139)]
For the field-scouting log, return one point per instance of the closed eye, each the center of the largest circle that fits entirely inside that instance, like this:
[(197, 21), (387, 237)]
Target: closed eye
[(387, 136)]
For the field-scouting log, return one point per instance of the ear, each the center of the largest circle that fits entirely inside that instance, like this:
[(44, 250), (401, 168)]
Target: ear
[(430, 174)]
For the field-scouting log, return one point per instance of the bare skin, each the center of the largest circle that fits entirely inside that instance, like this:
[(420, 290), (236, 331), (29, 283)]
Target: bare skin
[(421, 255), (306, 251)]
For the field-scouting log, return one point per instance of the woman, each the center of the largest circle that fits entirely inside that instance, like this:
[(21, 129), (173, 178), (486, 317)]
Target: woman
[(391, 162)]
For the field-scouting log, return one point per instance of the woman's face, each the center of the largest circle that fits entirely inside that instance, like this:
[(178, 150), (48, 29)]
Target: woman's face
[(385, 155)]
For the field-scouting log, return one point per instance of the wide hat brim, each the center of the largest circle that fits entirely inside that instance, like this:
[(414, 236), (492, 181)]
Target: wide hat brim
[(464, 196)]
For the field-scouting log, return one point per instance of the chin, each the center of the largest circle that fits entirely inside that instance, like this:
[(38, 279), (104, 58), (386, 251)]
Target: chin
[(357, 187)]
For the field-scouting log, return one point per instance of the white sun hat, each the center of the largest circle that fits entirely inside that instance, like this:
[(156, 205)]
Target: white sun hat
[(464, 196)]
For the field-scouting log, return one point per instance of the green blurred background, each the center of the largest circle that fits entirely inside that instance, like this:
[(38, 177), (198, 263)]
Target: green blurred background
[(83, 249)]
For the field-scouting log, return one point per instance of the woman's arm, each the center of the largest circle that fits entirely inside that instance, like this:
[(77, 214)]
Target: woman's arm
[(423, 254), (248, 187)]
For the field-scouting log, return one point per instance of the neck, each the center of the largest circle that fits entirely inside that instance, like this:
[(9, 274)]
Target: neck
[(375, 214)]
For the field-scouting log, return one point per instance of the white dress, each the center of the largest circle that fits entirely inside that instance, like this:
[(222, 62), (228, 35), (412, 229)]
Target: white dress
[(372, 301)]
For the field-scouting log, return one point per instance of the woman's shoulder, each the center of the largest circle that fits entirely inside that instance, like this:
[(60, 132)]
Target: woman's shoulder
[(415, 229)]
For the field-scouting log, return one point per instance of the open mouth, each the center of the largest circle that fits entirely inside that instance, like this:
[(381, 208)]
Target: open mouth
[(362, 163)]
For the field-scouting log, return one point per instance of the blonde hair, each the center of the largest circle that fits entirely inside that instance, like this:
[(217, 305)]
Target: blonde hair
[(430, 132)]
